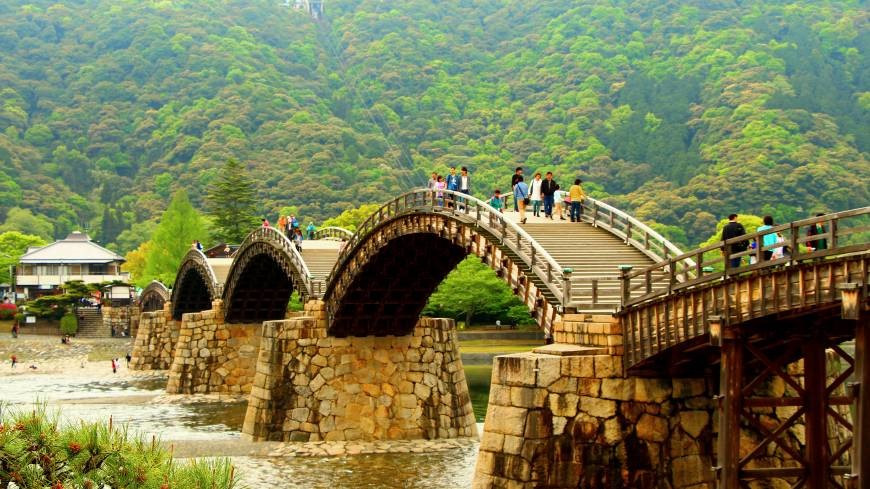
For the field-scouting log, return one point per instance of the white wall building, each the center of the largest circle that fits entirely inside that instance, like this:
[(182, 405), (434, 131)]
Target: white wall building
[(42, 270)]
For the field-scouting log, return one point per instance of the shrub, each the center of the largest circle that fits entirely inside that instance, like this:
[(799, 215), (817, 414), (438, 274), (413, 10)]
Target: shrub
[(69, 324), (7, 314), (36, 451)]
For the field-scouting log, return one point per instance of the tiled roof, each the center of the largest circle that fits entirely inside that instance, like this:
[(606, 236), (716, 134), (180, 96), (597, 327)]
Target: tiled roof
[(76, 248)]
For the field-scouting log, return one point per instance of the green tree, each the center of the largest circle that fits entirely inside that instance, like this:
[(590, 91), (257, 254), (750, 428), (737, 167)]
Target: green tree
[(12, 245), (351, 219), (24, 221), (473, 290), (179, 226), (232, 203)]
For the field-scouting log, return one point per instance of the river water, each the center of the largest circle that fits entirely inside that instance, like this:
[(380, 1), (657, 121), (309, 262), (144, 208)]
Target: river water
[(130, 400)]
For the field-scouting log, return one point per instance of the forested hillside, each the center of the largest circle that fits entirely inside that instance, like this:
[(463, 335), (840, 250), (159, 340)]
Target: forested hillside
[(677, 113)]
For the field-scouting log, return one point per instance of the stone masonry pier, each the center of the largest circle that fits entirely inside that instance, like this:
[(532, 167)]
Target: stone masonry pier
[(311, 387), (569, 417), (212, 356), (155, 340)]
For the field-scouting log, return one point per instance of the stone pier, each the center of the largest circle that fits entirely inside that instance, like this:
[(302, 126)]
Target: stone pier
[(121, 319), (311, 387), (212, 356), (567, 416), (155, 340)]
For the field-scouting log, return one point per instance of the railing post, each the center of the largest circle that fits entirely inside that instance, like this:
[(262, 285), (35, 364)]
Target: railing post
[(594, 213), (532, 261), (627, 231), (834, 238), (795, 234), (625, 283), (726, 254), (566, 287)]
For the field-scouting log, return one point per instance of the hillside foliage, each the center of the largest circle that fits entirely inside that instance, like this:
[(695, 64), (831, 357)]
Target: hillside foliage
[(677, 113)]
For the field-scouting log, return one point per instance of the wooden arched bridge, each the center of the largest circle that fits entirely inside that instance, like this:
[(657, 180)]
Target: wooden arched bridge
[(671, 313), (377, 281)]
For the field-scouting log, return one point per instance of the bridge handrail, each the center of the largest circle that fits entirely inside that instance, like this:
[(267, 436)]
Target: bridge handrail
[(333, 232), (198, 256), (484, 215), (692, 268), (272, 235), (623, 225)]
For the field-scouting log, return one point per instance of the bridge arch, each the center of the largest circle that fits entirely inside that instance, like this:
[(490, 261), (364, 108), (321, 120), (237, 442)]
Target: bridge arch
[(153, 297), (196, 285), (266, 270), (398, 257)]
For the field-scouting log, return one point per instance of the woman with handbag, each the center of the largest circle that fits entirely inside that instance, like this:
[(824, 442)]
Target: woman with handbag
[(521, 197)]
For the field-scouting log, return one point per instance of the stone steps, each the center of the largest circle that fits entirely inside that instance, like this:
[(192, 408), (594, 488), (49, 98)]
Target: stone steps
[(91, 324)]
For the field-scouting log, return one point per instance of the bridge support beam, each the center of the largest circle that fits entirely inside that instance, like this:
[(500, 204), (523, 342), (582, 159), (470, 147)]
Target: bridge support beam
[(730, 405)]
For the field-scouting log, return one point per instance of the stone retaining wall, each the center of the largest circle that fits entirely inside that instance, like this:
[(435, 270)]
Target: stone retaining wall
[(312, 387), (155, 340), (120, 319), (575, 421), (212, 356)]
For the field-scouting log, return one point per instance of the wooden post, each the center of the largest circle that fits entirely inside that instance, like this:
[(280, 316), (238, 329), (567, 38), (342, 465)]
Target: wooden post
[(730, 400), (815, 400), (860, 476), (625, 282)]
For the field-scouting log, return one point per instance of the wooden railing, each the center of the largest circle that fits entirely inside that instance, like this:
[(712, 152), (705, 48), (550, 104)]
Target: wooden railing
[(844, 232), (199, 257), (473, 211), (313, 288), (333, 232)]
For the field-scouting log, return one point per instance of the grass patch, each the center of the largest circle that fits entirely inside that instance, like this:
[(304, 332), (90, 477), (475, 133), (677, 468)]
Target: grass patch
[(498, 346)]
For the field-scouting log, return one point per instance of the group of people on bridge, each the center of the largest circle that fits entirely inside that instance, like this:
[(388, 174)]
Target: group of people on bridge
[(291, 228), (773, 244), (541, 192)]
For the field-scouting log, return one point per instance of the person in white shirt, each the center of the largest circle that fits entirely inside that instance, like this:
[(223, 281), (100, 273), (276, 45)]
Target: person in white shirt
[(535, 195)]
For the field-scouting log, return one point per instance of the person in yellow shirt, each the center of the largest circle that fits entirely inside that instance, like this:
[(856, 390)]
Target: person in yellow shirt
[(577, 196)]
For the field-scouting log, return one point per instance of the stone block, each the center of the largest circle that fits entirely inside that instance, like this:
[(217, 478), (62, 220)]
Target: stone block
[(652, 428), (506, 420), (516, 370), (597, 407), (563, 404), (694, 422)]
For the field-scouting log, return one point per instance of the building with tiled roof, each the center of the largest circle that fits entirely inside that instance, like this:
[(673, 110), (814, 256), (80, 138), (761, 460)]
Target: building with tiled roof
[(42, 270)]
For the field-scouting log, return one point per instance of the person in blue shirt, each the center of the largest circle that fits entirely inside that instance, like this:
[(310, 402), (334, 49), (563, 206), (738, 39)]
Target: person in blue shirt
[(452, 183), (767, 239), (521, 196)]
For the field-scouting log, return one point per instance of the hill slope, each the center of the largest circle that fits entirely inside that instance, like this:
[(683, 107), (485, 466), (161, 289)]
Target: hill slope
[(676, 113)]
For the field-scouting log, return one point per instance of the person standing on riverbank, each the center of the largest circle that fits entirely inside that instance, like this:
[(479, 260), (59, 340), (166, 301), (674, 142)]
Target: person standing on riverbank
[(128, 357), (114, 366), (14, 360)]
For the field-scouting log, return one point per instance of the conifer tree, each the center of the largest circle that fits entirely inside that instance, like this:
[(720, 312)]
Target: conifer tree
[(232, 203), (179, 226)]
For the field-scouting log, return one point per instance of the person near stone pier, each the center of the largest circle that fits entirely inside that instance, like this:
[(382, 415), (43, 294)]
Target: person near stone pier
[(576, 194), (129, 357), (521, 197), (734, 229), (548, 189), (535, 194), (516, 177)]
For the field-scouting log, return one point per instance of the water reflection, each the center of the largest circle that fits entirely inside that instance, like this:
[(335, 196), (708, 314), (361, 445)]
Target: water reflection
[(440, 470), (478, 378)]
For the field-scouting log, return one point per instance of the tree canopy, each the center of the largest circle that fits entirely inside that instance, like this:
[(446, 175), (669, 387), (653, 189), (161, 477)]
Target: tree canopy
[(677, 113), (232, 203), (179, 226)]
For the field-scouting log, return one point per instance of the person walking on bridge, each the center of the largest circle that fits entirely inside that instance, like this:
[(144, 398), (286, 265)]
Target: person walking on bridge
[(265, 223), (282, 224), (577, 196), (310, 230), (768, 239), (731, 230), (548, 189), (817, 229), (521, 197), (535, 194), (516, 177)]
